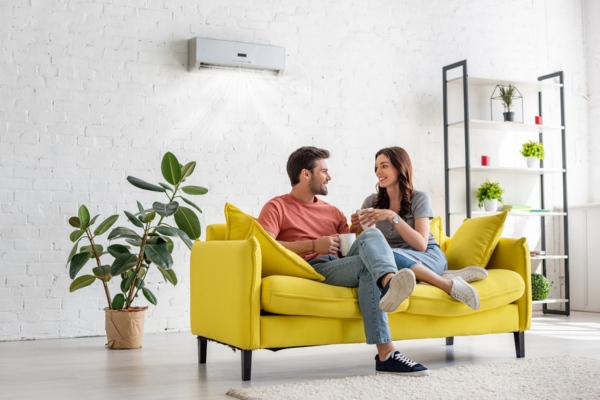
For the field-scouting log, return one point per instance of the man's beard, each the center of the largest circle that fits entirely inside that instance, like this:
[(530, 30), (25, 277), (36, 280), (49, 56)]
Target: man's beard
[(316, 188)]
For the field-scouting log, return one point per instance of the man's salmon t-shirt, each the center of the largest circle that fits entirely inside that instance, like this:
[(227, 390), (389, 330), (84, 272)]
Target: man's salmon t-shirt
[(293, 220)]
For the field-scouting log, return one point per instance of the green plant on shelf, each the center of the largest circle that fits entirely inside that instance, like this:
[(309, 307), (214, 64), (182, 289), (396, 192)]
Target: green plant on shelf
[(540, 287), (507, 94), (489, 191), (533, 149)]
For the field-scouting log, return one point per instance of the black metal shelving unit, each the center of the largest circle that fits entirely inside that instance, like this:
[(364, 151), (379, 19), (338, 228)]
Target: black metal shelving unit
[(463, 79)]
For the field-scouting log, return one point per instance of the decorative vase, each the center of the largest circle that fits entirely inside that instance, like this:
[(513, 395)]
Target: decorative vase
[(490, 205), (509, 116), (125, 328), (532, 162)]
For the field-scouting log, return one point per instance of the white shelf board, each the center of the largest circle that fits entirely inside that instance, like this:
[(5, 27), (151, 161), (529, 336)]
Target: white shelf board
[(549, 257), (513, 213), (585, 206), (550, 301), (515, 170), (520, 84), (505, 126)]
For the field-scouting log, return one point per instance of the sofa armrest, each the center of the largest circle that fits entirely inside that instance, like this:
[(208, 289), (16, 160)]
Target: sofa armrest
[(216, 232), (225, 281), (513, 254)]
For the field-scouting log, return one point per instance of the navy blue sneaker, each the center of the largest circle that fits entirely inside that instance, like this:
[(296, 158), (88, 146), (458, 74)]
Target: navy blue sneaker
[(398, 363), (397, 290)]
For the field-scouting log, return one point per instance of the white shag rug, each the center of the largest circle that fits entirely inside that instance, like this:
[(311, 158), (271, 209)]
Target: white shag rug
[(536, 378)]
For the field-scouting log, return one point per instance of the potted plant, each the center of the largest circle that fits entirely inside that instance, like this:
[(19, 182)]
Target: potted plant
[(533, 151), (488, 194), (135, 252), (540, 287), (507, 94)]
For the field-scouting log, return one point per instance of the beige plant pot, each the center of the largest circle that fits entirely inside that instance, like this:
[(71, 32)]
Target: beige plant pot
[(125, 328)]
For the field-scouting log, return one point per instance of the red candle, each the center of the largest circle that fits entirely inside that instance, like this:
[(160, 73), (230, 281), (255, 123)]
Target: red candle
[(485, 160)]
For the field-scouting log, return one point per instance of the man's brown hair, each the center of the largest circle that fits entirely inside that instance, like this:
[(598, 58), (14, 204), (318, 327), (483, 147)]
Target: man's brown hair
[(304, 158)]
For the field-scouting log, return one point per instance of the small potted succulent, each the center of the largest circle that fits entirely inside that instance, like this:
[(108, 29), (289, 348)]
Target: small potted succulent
[(533, 151), (488, 195), (507, 94)]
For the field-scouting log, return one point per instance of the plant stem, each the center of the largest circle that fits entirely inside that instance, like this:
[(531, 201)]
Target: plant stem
[(143, 279), (138, 266), (97, 256), (170, 200), (131, 295)]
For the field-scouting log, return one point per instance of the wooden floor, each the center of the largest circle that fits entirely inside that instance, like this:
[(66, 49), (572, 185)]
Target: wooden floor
[(166, 367)]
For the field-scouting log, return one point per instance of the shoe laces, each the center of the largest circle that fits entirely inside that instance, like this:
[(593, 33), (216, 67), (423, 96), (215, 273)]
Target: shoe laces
[(458, 291), (461, 296), (469, 276), (403, 359)]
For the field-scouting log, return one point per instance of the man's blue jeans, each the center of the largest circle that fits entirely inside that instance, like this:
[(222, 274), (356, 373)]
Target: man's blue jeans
[(369, 258)]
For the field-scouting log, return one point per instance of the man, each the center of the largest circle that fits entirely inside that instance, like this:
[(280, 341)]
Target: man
[(308, 226)]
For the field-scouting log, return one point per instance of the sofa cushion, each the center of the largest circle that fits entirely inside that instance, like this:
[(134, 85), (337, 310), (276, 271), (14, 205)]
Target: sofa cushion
[(500, 288), (437, 229), (475, 241), (288, 295), (276, 259)]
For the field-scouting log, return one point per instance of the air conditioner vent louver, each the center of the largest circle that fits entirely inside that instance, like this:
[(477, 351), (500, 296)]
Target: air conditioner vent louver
[(224, 53)]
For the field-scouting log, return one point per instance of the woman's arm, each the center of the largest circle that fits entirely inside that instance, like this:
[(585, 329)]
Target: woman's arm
[(417, 238)]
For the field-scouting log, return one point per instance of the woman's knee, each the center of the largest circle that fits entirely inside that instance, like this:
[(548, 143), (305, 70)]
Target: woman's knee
[(402, 262)]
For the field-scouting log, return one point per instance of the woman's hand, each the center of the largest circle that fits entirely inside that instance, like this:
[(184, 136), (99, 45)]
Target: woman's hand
[(354, 222), (370, 216)]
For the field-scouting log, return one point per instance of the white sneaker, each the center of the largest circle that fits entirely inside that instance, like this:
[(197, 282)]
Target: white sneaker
[(397, 290), (469, 274), (464, 292)]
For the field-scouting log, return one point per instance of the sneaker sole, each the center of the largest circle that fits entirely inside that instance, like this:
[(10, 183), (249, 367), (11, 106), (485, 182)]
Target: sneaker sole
[(401, 286), (469, 274), (415, 374)]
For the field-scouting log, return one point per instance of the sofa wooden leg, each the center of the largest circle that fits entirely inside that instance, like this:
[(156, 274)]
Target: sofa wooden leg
[(520, 344), (202, 342), (450, 341), (246, 364)]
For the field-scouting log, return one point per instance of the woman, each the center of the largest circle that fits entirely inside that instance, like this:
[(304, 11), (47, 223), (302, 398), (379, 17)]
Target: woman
[(402, 214)]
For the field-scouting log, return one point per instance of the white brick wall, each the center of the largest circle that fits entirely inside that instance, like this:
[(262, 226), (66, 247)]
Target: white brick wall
[(592, 39), (91, 92)]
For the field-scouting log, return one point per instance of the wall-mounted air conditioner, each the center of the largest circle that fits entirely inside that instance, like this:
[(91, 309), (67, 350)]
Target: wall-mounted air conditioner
[(224, 53)]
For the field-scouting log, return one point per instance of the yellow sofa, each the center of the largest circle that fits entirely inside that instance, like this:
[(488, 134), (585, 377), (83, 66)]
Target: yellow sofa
[(234, 303)]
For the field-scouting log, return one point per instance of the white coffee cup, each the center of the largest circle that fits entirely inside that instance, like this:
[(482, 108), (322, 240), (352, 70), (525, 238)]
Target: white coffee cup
[(346, 240), (365, 226)]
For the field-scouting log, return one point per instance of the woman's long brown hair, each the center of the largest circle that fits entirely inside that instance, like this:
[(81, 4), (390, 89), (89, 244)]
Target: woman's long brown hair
[(401, 161)]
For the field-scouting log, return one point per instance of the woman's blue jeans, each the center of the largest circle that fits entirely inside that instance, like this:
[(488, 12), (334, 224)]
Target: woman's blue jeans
[(369, 258), (432, 258)]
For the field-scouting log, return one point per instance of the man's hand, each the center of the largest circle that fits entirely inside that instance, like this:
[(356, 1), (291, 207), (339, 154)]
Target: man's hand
[(329, 245)]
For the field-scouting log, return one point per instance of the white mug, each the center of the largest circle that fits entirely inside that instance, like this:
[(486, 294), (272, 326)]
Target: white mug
[(365, 226), (346, 240)]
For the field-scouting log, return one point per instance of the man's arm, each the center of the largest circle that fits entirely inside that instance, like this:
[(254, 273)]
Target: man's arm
[(324, 245)]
